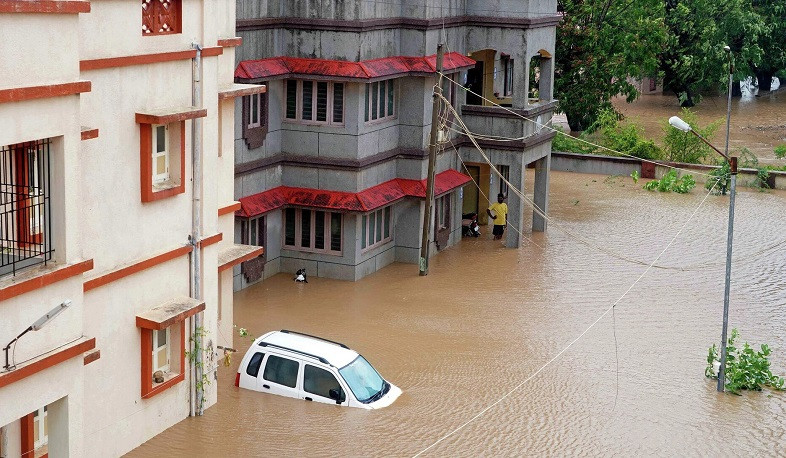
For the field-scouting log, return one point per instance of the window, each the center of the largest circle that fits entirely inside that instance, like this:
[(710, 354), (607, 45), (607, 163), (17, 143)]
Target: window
[(40, 428), (380, 100), (312, 230), (161, 17), (253, 231), (319, 381), (253, 365), (281, 370), (25, 211), (507, 71), (450, 89), (314, 102), (375, 228), (161, 350), (162, 159), (503, 170), (255, 114), (160, 154), (443, 212)]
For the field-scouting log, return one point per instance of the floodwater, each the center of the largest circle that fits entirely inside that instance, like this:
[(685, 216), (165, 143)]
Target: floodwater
[(487, 318), (758, 122)]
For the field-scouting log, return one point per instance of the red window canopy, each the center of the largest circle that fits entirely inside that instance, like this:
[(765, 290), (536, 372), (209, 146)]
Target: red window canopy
[(375, 69), (364, 201)]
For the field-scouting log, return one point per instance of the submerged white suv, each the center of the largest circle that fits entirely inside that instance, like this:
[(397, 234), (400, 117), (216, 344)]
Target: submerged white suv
[(302, 366)]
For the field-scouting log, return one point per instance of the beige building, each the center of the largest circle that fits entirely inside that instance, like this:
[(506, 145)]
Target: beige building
[(116, 219)]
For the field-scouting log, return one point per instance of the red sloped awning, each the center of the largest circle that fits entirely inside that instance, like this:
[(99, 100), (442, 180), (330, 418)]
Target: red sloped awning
[(367, 200), (284, 66)]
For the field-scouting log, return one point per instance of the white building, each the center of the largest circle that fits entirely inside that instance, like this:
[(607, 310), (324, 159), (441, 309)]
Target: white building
[(116, 199)]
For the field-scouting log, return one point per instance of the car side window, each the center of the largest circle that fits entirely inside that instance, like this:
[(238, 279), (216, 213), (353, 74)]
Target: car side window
[(281, 370), (253, 365), (319, 381)]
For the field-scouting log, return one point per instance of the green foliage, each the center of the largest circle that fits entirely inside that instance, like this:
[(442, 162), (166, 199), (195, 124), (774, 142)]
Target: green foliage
[(746, 368), (599, 45), (626, 137), (565, 143), (693, 60), (195, 340), (721, 176), (780, 150), (670, 182), (682, 146), (635, 176), (773, 40), (760, 182)]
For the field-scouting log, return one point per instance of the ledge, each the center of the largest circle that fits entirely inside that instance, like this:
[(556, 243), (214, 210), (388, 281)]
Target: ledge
[(45, 6), (169, 313), (499, 112), (231, 208), (240, 90), (234, 254), (169, 115), (207, 241), (47, 360), (88, 133), (230, 42), (517, 146), (20, 94), (33, 278), (139, 266)]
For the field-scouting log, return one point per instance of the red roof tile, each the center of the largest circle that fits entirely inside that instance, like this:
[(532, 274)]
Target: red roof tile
[(364, 201), (275, 67)]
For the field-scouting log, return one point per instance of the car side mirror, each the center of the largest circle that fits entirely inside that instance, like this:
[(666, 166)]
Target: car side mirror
[(337, 394)]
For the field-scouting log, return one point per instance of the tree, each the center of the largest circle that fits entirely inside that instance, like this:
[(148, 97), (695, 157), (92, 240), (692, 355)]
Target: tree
[(599, 45), (772, 41), (694, 60)]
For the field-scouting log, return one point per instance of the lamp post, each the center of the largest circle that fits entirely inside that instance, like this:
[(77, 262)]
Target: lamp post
[(685, 127)]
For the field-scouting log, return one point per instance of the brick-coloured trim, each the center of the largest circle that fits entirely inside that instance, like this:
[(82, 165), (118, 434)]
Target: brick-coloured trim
[(234, 262), (45, 6), (323, 162), (215, 238), (94, 355), (40, 281), (88, 133), (20, 94), (27, 444), (367, 25), (212, 51), (168, 118), (230, 42), (180, 317), (146, 165), (134, 268), (231, 208), (147, 363), (146, 59), (45, 363)]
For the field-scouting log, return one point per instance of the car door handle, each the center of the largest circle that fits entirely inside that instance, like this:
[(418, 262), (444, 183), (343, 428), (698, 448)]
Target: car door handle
[(308, 399), (266, 386)]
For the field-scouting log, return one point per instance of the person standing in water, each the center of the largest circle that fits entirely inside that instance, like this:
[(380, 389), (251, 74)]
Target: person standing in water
[(500, 215)]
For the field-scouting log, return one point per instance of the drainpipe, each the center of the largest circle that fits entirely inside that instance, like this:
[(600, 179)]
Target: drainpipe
[(196, 224)]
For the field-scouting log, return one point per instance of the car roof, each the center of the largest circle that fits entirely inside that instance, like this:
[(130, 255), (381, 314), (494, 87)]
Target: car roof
[(333, 352)]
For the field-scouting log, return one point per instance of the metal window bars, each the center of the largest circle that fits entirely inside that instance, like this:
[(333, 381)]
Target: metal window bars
[(25, 213)]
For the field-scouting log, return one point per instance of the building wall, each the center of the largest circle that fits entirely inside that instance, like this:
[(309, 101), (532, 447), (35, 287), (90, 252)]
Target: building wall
[(100, 220)]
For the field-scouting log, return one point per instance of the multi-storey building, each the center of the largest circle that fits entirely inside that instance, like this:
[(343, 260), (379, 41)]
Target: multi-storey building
[(331, 161), (116, 218)]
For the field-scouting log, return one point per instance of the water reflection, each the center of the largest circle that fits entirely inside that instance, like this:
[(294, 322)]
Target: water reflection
[(487, 317)]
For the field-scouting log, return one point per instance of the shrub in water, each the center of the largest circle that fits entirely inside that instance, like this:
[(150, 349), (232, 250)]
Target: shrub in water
[(746, 368)]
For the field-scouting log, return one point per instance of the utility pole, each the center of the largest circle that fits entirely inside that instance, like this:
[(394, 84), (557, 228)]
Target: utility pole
[(432, 159)]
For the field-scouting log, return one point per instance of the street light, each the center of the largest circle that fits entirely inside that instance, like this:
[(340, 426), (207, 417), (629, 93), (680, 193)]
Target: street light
[(39, 323), (678, 123)]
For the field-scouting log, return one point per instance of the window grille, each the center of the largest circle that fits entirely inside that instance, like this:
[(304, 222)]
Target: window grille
[(25, 214), (160, 17)]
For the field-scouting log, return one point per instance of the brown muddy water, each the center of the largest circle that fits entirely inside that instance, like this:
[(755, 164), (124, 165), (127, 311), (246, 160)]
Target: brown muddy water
[(486, 318), (757, 122)]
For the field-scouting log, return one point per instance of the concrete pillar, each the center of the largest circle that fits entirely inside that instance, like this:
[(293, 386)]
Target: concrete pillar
[(546, 87), (541, 199), (516, 205), (520, 80), (60, 429)]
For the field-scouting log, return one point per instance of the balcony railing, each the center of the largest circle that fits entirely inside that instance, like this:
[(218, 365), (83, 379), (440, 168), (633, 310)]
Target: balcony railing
[(25, 215)]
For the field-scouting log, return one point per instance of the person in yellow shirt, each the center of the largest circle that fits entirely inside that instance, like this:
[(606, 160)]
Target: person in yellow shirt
[(500, 216)]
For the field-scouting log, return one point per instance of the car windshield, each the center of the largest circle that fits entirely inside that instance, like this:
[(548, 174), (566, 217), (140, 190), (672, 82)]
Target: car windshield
[(364, 381)]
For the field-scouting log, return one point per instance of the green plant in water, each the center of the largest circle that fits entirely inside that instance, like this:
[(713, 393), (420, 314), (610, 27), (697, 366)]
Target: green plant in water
[(623, 136), (721, 176), (746, 368), (682, 146), (635, 176), (780, 151), (670, 182)]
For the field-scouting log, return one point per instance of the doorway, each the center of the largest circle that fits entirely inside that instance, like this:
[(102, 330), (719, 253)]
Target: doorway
[(475, 84), (471, 194)]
